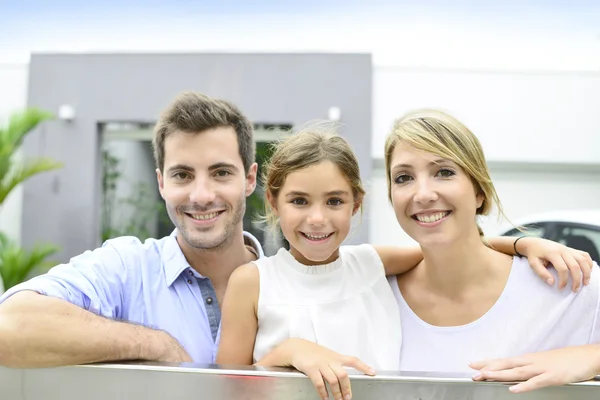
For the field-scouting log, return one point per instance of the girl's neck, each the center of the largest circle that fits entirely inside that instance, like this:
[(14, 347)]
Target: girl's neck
[(305, 261)]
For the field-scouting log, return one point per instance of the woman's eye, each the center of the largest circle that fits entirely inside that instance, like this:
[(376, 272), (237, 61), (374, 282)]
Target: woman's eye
[(402, 179), (446, 173), (335, 202), (298, 202)]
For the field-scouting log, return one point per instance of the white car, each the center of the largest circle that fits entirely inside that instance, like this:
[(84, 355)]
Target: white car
[(577, 229)]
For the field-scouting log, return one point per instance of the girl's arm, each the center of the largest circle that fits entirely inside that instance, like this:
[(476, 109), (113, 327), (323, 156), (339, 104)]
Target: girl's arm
[(319, 363), (397, 260), (539, 252), (238, 317), (542, 252)]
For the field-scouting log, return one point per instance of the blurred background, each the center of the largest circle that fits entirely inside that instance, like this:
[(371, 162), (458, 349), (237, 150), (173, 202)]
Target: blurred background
[(523, 75)]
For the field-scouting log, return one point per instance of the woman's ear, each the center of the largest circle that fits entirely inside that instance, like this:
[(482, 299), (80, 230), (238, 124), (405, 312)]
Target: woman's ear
[(357, 205), (272, 202), (480, 199)]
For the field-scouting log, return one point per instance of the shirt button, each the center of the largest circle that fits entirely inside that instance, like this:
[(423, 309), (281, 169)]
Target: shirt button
[(209, 300), (190, 281), (191, 273)]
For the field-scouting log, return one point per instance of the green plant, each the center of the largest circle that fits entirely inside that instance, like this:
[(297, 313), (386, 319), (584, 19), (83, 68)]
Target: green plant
[(140, 206), (12, 170), (16, 263)]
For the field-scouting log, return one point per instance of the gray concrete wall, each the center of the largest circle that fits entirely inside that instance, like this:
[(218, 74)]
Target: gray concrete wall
[(63, 207)]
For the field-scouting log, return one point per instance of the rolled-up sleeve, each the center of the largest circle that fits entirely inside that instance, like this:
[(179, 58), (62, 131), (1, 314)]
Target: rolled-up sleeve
[(94, 280)]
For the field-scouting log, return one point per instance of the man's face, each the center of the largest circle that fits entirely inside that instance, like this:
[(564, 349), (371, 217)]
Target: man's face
[(205, 187)]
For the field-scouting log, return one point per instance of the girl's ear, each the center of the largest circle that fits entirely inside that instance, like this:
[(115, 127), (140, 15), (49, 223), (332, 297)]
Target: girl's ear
[(272, 202)]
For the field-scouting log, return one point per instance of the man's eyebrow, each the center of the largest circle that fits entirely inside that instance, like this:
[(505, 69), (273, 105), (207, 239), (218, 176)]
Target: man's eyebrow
[(180, 167), (220, 165)]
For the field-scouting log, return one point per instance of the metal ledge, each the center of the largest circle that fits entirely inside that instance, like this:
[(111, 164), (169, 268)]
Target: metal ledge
[(152, 381)]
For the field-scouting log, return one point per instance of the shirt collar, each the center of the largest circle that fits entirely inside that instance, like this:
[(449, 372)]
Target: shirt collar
[(174, 262)]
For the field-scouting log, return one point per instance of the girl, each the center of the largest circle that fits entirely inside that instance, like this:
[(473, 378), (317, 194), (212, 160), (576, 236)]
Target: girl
[(320, 291)]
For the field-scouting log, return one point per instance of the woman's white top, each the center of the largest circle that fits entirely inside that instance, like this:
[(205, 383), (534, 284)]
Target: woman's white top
[(346, 306), (529, 316)]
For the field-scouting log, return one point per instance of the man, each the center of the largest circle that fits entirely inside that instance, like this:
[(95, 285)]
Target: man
[(157, 300)]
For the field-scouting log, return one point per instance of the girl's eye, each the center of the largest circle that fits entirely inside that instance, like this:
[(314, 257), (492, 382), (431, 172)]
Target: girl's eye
[(402, 179), (299, 201), (335, 202), (446, 173)]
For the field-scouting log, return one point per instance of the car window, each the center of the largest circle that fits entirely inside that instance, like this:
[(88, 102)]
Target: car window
[(581, 238), (535, 230)]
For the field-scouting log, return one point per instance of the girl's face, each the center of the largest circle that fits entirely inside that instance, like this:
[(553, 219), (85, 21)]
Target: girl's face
[(434, 199), (315, 207)]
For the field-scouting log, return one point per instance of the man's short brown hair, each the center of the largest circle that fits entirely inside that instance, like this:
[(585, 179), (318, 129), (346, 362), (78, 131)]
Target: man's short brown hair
[(194, 113)]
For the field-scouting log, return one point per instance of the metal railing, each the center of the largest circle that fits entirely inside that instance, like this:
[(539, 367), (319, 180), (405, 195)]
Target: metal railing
[(151, 381)]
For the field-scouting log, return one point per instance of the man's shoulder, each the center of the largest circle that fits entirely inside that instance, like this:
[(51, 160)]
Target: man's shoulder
[(134, 244), (253, 244), (129, 249)]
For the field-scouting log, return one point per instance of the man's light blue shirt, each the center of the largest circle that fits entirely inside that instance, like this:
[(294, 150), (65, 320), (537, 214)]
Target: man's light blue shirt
[(148, 283)]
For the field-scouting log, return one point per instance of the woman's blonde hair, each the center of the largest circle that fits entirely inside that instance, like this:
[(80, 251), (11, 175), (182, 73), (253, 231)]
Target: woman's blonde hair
[(436, 132), (309, 145)]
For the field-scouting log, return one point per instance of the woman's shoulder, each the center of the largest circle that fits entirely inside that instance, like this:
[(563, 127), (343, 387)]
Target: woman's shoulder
[(523, 273)]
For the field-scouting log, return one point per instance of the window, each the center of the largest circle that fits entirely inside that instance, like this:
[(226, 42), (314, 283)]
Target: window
[(581, 238), (535, 230)]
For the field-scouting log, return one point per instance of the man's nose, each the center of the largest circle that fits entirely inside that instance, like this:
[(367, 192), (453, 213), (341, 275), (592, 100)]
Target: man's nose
[(202, 192)]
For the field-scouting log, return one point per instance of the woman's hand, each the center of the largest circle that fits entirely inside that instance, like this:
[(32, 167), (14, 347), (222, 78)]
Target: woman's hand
[(541, 252), (538, 370), (320, 365)]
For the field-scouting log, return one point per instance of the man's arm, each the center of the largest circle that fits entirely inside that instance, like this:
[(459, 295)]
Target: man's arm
[(42, 331), (72, 314)]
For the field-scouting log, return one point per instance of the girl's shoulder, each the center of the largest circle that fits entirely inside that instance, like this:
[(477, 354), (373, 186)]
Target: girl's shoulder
[(246, 274)]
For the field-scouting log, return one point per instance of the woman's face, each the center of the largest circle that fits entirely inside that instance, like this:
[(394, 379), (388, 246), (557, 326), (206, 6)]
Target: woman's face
[(434, 199)]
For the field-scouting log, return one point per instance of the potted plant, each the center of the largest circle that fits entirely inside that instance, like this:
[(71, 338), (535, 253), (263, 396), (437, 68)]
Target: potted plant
[(16, 263)]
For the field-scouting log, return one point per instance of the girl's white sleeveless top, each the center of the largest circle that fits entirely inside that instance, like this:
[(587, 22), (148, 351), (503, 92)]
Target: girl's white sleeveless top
[(346, 306)]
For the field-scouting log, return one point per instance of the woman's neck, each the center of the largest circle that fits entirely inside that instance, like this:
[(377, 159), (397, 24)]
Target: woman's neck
[(452, 269)]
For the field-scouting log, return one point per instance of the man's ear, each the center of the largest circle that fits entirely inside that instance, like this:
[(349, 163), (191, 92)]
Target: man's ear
[(161, 182), (272, 202), (251, 179)]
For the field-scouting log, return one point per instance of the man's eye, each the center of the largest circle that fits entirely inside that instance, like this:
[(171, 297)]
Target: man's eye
[(222, 173), (180, 175)]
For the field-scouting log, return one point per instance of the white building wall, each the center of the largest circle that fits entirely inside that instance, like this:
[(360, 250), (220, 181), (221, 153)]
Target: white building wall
[(434, 57), (13, 93), (540, 132), (528, 116)]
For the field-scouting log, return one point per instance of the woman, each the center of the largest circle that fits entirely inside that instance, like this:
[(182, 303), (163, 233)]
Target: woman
[(466, 301)]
